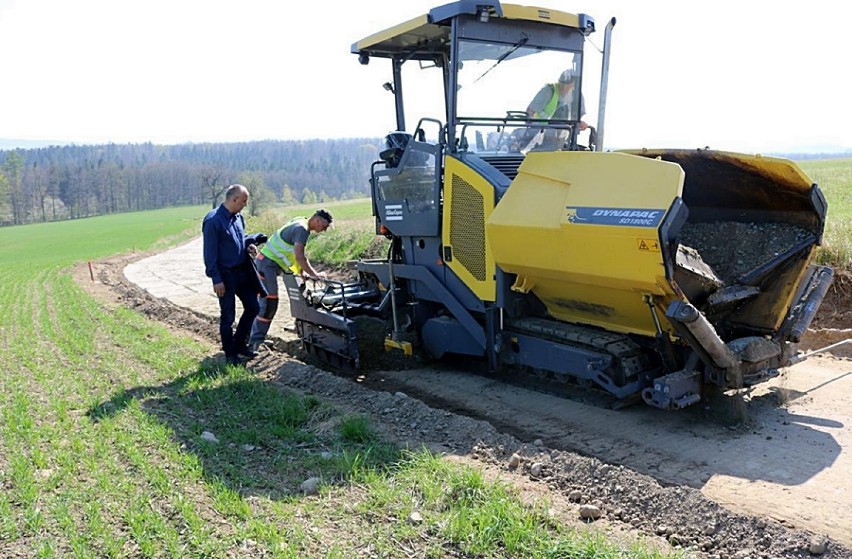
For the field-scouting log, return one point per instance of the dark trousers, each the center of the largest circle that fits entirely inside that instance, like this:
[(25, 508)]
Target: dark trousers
[(268, 271), (238, 284)]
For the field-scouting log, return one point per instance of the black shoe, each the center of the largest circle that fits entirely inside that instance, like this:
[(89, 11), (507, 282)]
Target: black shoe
[(233, 360), (248, 351)]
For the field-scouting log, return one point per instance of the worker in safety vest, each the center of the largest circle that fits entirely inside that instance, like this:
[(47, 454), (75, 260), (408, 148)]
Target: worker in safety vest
[(284, 253), (559, 101)]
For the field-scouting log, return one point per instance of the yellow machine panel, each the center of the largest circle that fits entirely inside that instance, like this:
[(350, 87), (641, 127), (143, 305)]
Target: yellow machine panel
[(468, 203), (580, 230)]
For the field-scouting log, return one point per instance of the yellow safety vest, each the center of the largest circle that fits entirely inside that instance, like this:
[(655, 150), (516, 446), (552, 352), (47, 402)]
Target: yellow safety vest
[(550, 108), (282, 252)]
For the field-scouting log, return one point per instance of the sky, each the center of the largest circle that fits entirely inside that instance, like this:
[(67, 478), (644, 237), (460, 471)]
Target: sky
[(747, 75)]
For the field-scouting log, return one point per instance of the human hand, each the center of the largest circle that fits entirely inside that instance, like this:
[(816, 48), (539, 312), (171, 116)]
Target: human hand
[(219, 289), (583, 126)]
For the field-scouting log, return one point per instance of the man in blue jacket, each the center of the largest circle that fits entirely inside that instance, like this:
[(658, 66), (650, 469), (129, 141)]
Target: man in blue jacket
[(227, 262)]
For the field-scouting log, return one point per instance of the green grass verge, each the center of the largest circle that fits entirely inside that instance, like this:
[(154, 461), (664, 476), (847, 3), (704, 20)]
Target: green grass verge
[(834, 177), (461, 513)]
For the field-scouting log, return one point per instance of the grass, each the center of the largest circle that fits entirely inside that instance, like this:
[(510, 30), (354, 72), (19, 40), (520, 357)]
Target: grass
[(835, 179), (102, 414)]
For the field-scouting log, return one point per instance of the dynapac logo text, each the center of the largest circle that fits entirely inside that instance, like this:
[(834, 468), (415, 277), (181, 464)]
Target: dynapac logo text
[(647, 214), (623, 217)]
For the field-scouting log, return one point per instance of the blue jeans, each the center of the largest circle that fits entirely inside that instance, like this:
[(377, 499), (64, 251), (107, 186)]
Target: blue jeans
[(238, 284)]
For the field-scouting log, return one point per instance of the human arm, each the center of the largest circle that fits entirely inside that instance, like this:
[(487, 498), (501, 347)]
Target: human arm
[(210, 236), (251, 242), (302, 260), (536, 107), (582, 123), (256, 239)]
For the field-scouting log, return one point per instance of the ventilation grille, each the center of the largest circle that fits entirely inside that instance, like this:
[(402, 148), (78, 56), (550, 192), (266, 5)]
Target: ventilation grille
[(467, 233), (508, 165)]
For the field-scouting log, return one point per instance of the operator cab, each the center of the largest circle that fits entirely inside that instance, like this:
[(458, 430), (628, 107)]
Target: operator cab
[(497, 80)]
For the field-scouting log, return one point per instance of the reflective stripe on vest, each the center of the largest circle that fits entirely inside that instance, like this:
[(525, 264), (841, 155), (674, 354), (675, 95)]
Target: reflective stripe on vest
[(282, 252), (550, 108)]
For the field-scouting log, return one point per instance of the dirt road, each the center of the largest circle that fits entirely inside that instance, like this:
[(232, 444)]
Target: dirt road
[(783, 452), (790, 461)]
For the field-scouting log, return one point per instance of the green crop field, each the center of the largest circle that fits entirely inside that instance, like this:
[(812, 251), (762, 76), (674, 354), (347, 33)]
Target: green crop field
[(834, 177), (65, 242), (102, 413)]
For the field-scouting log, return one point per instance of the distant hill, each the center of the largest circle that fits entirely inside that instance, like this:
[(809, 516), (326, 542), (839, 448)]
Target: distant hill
[(59, 182)]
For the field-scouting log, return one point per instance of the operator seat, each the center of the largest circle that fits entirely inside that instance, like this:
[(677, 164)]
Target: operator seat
[(396, 143)]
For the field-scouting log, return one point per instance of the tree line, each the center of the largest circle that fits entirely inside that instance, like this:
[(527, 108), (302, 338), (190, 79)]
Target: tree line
[(67, 182)]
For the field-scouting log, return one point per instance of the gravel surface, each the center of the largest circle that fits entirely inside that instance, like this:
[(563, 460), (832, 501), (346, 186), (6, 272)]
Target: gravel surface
[(733, 249)]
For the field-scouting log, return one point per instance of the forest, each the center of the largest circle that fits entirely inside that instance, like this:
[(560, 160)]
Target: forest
[(68, 182)]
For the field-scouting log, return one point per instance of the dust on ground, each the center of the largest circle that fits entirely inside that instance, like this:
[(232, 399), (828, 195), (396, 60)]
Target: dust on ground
[(576, 453)]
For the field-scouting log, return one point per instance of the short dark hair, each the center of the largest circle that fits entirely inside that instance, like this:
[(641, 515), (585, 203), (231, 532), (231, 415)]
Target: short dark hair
[(323, 213)]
